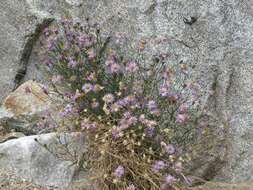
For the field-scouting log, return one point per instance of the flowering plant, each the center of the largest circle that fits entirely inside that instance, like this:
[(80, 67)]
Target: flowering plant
[(138, 118)]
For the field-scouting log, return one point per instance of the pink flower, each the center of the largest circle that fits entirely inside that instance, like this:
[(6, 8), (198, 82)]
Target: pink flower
[(181, 118)]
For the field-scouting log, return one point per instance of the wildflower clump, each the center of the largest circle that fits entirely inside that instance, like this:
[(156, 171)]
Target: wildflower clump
[(137, 118)]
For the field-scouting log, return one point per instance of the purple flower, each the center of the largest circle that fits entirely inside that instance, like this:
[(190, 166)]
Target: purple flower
[(169, 149), (183, 108), (151, 105), (52, 44), (131, 67), (142, 118), (70, 36), (40, 124), (150, 123), (173, 96), (86, 124), (119, 172), (153, 108), (164, 187), (131, 187), (111, 59), (46, 32), (181, 118), (189, 179), (66, 22), (127, 121), (127, 115), (155, 112), (163, 91), (83, 41), (159, 165), (149, 131), (130, 100), (57, 78), (120, 38), (115, 107), (91, 54), (114, 68), (48, 62), (132, 120), (67, 46), (94, 104), (67, 110), (91, 77), (87, 87), (72, 63), (108, 98), (115, 133), (178, 167), (121, 102), (137, 88), (169, 179)]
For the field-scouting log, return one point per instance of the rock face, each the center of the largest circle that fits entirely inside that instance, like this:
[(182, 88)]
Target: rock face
[(23, 109), (214, 37), (29, 98), (217, 186), (48, 159)]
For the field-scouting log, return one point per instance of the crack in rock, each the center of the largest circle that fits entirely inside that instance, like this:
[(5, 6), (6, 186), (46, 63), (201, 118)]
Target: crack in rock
[(28, 47), (151, 8)]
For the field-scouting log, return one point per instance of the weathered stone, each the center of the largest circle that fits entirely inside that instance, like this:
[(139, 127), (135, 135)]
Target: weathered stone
[(24, 107), (48, 159), (28, 99), (9, 136), (218, 45)]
